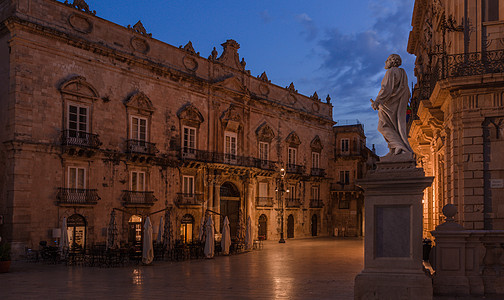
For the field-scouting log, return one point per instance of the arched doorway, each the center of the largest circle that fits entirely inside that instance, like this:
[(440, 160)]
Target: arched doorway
[(135, 230), (230, 206), (186, 229), (314, 221), (290, 227), (262, 231), (76, 229)]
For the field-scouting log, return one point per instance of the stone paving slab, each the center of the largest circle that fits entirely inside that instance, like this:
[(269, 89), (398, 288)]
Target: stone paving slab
[(320, 268)]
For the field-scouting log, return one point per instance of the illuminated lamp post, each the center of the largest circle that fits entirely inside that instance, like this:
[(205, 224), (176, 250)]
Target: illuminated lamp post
[(281, 190)]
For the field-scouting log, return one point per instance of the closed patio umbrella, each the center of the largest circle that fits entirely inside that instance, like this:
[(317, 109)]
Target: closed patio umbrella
[(226, 237), (160, 231), (201, 235), (63, 245), (147, 251), (209, 243), (112, 238), (249, 241)]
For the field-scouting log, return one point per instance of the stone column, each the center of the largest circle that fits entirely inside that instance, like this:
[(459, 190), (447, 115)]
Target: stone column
[(393, 234)]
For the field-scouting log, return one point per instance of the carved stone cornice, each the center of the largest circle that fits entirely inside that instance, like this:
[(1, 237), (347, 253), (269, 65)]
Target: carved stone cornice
[(265, 133)]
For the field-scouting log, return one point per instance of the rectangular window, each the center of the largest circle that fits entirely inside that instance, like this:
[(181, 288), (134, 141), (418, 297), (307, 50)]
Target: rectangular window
[(263, 189), (292, 192), (139, 129), (315, 160), (315, 193), (344, 145), (137, 181), (76, 178), (230, 146), (77, 120), (188, 185), (344, 177), (189, 140), (263, 151), (291, 156), (491, 11)]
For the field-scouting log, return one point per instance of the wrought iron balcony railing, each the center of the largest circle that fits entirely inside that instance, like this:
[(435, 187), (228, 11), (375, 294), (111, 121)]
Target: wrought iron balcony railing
[(140, 147), (132, 198), (292, 202), (264, 201), (188, 199), (77, 196), (318, 172), (80, 138), (316, 203), (226, 158), (295, 169)]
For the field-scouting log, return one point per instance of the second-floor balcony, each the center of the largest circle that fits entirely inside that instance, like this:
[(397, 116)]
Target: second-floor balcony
[(188, 199), (80, 139), (316, 203), (70, 196), (226, 158), (317, 172), (138, 198), (140, 147), (295, 169), (264, 201), (292, 203)]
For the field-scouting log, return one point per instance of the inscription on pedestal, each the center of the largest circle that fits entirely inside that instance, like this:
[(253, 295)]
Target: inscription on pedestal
[(392, 231)]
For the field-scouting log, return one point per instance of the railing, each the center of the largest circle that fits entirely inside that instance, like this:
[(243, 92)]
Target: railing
[(316, 203), (226, 158), (188, 199), (79, 138), (295, 169), (138, 198), (452, 66), (292, 202), (317, 172), (77, 196), (264, 201), (142, 147)]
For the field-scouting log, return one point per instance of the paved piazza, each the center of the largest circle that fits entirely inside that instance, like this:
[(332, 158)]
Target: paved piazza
[(321, 268)]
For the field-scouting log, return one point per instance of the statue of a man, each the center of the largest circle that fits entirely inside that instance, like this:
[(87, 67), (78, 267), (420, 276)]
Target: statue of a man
[(391, 103)]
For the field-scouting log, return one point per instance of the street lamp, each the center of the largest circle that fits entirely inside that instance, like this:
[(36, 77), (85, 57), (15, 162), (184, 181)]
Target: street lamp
[(281, 190)]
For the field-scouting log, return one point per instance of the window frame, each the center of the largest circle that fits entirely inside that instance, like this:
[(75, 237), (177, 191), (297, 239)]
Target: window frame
[(78, 106), (84, 177), (345, 145), (264, 155), (190, 183), (138, 133), (189, 149), (315, 195), (315, 160), (144, 183), (291, 156)]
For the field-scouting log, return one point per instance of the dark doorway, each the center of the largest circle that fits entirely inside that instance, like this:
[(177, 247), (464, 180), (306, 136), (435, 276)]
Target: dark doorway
[(314, 221), (76, 230), (230, 206), (290, 227), (186, 229), (263, 228)]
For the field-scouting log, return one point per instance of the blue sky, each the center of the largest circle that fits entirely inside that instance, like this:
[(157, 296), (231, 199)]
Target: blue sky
[(335, 47)]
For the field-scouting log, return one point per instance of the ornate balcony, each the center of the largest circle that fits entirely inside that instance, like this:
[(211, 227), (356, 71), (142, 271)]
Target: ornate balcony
[(80, 139), (266, 165), (140, 147), (135, 198), (295, 169), (292, 203), (69, 196), (317, 172), (185, 199), (264, 201), (225, 158), (316, 203)]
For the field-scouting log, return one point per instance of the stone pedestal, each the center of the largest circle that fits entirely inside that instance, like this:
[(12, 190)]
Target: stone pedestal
[(393, 242)]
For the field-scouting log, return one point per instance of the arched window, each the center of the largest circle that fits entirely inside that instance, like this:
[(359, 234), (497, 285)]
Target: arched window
[(186, 229), (135, 230), (262, 231)]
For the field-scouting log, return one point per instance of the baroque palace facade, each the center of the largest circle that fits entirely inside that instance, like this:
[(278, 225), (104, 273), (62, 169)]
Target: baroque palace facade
[(98, 117), (458, 108)]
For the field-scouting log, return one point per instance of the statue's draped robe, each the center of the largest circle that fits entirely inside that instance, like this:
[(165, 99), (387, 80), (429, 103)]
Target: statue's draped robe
[(393, 99)]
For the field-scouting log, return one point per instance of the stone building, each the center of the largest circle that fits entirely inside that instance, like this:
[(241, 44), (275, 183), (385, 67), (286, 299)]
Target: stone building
[(97, 118), (352, 160), (458, 108)]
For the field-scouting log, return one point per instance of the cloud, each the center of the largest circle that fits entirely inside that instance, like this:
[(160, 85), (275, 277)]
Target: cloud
[(310, 31), (353, 64), (265, 16)]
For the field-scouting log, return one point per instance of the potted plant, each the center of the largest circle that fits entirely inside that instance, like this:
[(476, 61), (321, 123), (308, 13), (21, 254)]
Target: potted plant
[(5, 257)]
